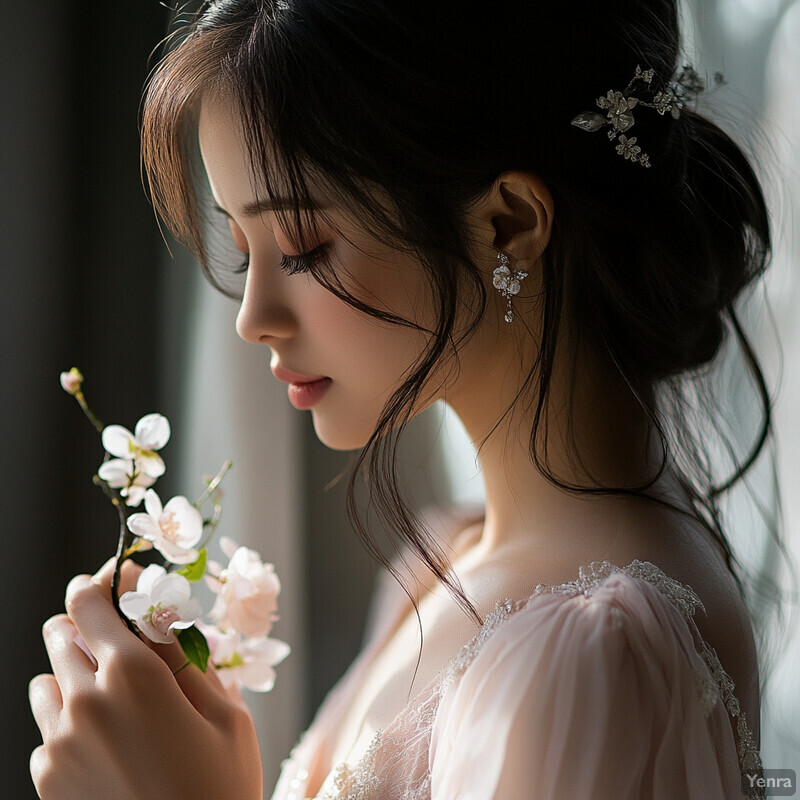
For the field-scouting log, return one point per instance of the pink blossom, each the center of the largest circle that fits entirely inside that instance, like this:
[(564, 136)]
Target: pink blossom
[(247, 592)]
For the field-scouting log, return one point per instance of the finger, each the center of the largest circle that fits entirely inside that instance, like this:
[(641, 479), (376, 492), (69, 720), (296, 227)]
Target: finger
[(71, 665), (46, 702), (175, 659), (128, 575), (171, 654), (202, 689), (38, 766), (90, 609), (235, 694), (85, 648)]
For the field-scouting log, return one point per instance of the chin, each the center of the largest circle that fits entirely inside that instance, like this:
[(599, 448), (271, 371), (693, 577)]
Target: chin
[(337, 436)]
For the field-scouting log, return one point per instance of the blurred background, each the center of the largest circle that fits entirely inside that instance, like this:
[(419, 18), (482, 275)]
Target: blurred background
[(86, 279)]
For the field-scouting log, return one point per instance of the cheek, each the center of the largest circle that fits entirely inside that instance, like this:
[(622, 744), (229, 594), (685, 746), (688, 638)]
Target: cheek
[(371, 353), (394, 283), (367, 358), (331, 321), (353, 343)]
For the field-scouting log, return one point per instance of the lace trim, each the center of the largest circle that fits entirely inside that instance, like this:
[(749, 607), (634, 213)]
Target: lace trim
[(357, 783), (362, 781)]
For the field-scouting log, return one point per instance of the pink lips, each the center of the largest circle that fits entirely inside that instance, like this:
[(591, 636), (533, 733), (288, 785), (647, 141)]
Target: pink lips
[(286, 375), (304, 390)]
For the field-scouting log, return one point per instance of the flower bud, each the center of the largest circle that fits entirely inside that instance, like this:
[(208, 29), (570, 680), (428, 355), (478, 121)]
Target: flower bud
[(71, 381)]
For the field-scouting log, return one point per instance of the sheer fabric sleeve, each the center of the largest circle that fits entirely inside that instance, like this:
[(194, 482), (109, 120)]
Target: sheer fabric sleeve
[(600, 695)]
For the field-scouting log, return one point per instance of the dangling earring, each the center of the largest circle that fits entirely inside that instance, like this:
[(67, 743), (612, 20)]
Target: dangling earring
[(507, 282)]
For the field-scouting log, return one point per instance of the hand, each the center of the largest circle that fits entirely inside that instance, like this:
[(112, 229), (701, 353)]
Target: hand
[(128, 728)]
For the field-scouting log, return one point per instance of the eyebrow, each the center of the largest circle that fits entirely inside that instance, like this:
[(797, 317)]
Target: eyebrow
[(258, 207)]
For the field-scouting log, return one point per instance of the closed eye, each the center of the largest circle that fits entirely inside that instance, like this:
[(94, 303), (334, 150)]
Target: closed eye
[(292, 265)]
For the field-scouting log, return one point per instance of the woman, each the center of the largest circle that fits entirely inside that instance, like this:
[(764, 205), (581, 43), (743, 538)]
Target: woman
[(516, 210)]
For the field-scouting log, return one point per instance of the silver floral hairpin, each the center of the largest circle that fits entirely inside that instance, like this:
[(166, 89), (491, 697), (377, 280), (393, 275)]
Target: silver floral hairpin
[(619, 108)]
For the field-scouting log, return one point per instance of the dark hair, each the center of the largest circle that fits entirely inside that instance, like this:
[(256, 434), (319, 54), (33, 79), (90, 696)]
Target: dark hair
[(430, 102)]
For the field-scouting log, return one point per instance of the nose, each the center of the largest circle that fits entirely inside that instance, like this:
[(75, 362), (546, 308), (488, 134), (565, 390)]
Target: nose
[(264, 314)]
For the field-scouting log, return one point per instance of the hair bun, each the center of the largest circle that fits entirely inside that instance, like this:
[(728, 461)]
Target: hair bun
[(682, 252)]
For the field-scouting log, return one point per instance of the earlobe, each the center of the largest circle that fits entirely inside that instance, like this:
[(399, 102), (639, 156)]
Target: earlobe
[(521, 209)]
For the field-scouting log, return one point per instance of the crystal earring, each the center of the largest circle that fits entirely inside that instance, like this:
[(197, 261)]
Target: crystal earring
[(506, 281)]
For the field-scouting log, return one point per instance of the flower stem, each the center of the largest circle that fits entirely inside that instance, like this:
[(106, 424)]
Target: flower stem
[(213, 484), (90, 415), (212, 524), (132, 549), (123, 547)]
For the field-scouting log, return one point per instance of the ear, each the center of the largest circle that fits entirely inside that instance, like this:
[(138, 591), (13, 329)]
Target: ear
[(520, 210)]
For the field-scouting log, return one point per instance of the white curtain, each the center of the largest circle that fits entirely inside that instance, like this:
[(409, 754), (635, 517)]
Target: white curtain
[(756, 44), (781, 122)]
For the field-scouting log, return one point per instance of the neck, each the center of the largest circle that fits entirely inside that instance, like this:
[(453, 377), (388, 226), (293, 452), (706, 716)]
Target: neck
[(606, 441)]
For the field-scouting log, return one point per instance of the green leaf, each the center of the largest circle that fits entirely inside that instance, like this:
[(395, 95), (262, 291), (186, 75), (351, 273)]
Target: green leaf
[(195, 571), (195, 647)]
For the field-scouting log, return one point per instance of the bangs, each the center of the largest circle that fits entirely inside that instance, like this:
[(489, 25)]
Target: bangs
[(299, 132), (217, 64), (170, 164)]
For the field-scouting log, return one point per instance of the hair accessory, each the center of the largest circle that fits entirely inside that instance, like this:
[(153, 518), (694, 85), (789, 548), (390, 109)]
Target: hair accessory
[(506, 281), (619, 105)]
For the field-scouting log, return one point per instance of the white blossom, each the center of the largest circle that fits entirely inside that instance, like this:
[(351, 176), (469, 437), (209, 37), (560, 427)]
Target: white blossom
[(161, 604), (121, 474), (151, 434), (173, 529)]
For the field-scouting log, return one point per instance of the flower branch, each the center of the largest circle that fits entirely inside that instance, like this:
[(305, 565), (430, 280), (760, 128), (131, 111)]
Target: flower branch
[(162, 608)]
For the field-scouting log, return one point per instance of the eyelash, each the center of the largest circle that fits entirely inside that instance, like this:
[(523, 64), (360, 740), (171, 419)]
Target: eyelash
[(291, 265)]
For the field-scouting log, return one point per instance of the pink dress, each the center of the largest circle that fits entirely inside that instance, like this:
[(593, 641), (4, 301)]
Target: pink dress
[(594, 689)]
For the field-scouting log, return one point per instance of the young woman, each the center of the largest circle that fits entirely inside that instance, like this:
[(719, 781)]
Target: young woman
[(516, 209)]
